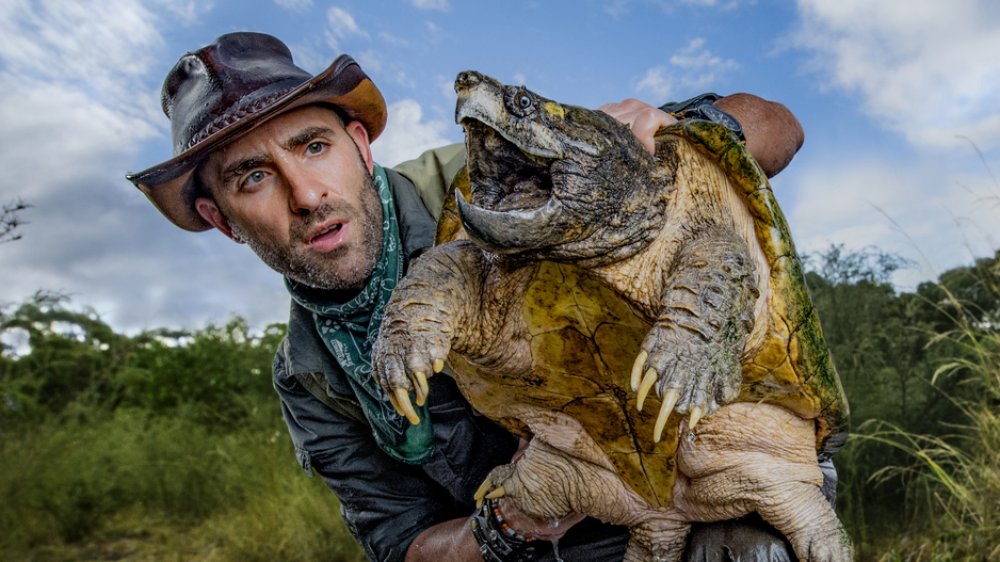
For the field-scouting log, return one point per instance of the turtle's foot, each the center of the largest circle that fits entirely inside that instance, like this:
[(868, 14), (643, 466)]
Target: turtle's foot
[(405, 354), (493, 487), (690, 375), (547, 484)]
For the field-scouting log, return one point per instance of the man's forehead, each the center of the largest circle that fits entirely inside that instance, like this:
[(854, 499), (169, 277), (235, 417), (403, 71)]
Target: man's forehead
[(278, 131)]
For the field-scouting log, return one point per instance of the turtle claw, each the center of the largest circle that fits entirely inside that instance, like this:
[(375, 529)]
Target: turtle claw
[(666, 408), (488, 491), (480, 494), (421, 388), (640, 362), (405, 406), (647, 383), (395, 404), (696, 414)]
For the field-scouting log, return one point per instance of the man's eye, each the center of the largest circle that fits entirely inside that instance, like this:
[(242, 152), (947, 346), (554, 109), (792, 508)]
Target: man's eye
[(253, 178), (315, 148)]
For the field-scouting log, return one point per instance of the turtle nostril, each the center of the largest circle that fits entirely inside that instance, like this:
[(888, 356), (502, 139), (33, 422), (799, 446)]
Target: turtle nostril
[(467, 79)]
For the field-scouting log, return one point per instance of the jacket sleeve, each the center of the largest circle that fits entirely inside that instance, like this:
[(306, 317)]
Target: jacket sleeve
[(432, 173), (384, 503)]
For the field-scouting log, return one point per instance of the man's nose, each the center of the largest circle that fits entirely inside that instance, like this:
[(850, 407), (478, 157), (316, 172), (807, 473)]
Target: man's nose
[(305, 193)]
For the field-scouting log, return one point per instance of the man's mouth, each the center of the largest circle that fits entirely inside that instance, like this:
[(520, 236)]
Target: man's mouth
[(327, 237), (502, 176)]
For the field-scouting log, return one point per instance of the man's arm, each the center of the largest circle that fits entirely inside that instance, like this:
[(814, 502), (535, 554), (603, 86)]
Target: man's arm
[(450, 540), (773, 135)]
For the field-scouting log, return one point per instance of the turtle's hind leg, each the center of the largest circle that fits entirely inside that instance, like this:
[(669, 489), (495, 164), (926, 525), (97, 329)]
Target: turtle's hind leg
[(760, 457), (660, 538), (561, 472)]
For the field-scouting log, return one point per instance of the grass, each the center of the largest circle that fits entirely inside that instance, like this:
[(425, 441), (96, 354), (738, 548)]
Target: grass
[(131, 486), (959, 473)]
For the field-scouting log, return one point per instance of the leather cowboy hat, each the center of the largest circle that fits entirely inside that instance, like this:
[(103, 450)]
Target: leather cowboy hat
[(220, 92)]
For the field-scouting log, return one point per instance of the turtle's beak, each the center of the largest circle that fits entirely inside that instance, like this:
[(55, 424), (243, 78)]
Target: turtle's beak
[(511, 232)]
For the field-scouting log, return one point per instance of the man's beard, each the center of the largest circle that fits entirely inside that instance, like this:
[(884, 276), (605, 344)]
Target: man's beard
[(331, 270)]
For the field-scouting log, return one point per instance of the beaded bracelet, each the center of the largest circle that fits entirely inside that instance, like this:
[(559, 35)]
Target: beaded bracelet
[(498, 541)]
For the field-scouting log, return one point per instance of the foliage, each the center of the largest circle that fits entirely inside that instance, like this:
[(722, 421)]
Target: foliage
[(9, 222), (169, 445), (164, 445), (959, 470), (920, 371)]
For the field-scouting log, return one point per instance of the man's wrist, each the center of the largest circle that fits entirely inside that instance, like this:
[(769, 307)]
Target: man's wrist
[(703, 107), (498, 541)]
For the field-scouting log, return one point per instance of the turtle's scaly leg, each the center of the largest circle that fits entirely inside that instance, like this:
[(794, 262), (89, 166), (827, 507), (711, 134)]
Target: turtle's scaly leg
[(433, 309), (760, 457), (692, 354)]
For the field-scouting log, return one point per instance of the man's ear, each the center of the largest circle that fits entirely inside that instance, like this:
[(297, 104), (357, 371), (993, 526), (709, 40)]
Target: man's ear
[(360, 136), (210, 212)]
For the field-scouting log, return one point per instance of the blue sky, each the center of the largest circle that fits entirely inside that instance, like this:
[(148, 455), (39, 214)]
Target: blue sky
[(890, 94)]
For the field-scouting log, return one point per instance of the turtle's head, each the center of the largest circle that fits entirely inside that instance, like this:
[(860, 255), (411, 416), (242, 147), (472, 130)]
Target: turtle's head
[(553, 181)]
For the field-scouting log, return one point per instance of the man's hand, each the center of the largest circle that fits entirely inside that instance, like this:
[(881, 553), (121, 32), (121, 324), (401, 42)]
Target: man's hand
[(773, 134), (644, 119)]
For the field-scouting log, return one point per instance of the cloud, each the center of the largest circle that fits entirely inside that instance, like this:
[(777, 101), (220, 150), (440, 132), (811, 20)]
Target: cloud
[(439, 5), (189, 12), (295, 5), (407, 134), (691, 69), (617, 8), (926, 70), (102, 47), (940, 218), (77, 103), (724, 5), (341, 25)]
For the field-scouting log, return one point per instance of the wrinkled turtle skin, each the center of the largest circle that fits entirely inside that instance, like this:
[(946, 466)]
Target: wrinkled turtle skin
[(595, 275)]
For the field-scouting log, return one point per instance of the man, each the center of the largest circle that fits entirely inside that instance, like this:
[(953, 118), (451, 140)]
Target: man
[(280, 160)]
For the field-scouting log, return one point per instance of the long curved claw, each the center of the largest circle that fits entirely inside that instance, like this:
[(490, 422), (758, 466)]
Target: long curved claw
[(669, 401), (497, 492), (647, 383), (421, 388), (696, 414), (482, 489), (395, 403), (403, 398), (438, 365), (640, 360)]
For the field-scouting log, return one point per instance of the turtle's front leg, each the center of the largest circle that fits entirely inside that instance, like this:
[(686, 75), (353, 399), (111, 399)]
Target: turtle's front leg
[(692, 354), (439, 294)]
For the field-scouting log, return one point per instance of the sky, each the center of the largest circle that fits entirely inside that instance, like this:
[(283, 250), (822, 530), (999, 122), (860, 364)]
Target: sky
[(900, 101)]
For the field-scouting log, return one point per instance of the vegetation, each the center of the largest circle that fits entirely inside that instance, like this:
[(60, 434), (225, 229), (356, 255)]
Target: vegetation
[(167, 446), (9, 222), (161, 446)]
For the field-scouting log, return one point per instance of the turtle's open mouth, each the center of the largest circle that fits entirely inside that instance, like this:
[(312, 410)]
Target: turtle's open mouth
[(502, 176)]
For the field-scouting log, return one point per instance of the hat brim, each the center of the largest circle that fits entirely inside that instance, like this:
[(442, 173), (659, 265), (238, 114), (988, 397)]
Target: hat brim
[(170, 185)]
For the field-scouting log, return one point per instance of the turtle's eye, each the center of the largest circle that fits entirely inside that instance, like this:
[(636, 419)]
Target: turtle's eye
[(520, 102)]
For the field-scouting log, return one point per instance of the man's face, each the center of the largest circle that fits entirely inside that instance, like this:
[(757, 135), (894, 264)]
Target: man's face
[(298, 190)]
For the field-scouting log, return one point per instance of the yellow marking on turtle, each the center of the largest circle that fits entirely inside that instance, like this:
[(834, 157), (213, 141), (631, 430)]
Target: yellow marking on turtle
[(555, 110)]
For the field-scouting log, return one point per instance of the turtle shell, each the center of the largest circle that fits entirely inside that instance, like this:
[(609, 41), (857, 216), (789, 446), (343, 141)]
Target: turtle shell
[(584, 338), (792, 367)]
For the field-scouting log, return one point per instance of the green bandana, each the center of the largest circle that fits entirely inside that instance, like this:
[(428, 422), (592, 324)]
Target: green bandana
[(349, 329)]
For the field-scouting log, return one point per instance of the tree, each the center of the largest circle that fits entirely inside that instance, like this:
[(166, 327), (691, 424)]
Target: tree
[(9, 221)]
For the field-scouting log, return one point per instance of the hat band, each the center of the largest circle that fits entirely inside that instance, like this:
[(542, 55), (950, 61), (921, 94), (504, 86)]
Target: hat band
[(234, 115)]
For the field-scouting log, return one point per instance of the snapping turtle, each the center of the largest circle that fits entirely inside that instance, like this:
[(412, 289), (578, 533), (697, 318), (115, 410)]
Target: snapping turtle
[(596, 273)]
